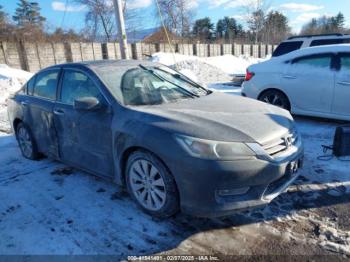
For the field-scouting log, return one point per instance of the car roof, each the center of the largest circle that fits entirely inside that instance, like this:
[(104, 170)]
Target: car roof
[(316, 37), (99, 64), (316, 50)]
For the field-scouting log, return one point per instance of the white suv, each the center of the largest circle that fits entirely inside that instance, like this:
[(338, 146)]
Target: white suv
[(297, 42), (311, 81)]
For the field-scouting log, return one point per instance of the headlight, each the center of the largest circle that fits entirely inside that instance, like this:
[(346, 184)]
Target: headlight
[(215, 150)]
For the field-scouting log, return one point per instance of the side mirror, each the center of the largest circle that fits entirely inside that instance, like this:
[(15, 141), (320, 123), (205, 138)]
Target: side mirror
[(87, 104)]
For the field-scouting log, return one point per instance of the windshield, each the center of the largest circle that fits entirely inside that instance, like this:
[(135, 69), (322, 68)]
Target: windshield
[(157, 85)]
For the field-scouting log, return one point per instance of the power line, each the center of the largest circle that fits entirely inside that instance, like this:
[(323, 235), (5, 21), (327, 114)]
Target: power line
[(166, 32), (64, 14)]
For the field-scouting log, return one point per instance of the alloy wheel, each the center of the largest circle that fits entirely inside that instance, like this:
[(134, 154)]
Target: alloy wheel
[(275, 99), (25, 142), (147, 185)]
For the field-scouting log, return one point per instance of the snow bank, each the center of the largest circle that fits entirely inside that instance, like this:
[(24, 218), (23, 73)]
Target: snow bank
[(232, 65), (11, 80)]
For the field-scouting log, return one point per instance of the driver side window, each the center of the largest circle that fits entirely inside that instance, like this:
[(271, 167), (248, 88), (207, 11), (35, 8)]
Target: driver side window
[(76, 85)]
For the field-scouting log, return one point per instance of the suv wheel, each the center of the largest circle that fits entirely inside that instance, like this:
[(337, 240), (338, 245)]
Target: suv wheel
[(26, 142), (151, 185), (276, 98)]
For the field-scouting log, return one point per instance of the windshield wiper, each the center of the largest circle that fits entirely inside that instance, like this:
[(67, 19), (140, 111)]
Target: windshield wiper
[(190, 81), (166, 80)]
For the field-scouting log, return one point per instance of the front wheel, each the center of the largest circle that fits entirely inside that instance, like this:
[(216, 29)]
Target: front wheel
[(26, 142), (151, 185), (276, 98)]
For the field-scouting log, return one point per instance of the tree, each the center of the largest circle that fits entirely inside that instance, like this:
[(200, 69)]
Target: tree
[(3, 16), (5, 27), (203, 28), (28, 14), (59, 35), (228, 28), (276, 27), (100, 19), (256, 11), (177, 15), (340, 20), (256, 23), (325, 25)]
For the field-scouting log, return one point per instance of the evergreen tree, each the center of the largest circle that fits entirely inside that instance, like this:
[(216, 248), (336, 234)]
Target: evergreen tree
[(220, 28), (276, 27), (340, 20), (228, 28), (203, 28), (28, 13), (325, 25)]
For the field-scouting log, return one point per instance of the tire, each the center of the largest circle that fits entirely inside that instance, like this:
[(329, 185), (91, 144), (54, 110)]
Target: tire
[(26, 142), (151, 185), (276, 98)]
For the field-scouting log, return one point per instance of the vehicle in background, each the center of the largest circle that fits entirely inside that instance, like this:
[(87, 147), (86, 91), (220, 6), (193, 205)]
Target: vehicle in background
[(172, 143), (312, 81), (297, 42)]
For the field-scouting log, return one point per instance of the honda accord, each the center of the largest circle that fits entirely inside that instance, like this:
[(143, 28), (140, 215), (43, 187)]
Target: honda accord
[(173, 144)]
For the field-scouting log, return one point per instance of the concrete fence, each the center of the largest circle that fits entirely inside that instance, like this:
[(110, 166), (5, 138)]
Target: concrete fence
[(35, 56)]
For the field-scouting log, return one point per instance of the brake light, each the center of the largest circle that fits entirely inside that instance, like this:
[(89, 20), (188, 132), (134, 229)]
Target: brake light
[(249, 75)]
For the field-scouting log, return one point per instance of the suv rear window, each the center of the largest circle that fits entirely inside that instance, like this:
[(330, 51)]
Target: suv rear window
[(329, 42), (287, 47)]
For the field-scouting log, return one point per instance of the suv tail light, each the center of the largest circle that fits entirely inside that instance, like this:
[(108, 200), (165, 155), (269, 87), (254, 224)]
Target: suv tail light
[(249, 75)]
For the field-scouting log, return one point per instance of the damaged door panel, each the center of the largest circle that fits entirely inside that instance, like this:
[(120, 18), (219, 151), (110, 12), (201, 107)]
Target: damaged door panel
[(38, 111), (84, 136)]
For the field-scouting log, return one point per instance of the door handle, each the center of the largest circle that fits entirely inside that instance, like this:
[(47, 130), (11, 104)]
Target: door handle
[(58, 112), (289, 77), (24, 103), (344, 83)]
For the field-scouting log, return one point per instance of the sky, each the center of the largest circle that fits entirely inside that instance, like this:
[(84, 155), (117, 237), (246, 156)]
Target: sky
[(66, 14)]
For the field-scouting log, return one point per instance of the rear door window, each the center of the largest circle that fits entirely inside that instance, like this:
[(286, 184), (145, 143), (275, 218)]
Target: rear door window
[(287, 47), (345, 61), (319, 61), (30, 86), (46, 84)]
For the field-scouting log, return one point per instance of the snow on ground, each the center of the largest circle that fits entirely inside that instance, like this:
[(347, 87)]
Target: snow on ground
[(48, 208), (11, 80), (232, 65), (216, 73)]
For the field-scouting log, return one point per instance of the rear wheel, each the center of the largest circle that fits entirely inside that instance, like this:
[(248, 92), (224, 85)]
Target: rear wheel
[(151, 185), (26, 142), (276, 98)]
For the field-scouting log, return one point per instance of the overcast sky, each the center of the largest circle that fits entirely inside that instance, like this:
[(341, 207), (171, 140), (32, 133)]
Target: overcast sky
[(297, 11)]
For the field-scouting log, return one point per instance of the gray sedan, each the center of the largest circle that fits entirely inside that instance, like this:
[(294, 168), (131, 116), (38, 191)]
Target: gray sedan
[(172, 143)]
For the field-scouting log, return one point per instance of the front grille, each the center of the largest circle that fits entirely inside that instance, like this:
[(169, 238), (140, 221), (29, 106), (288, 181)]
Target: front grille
[(281, 144)]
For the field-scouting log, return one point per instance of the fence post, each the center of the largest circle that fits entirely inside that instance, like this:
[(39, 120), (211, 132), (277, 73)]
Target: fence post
[(104, 51), (4, 55), (22, 55)]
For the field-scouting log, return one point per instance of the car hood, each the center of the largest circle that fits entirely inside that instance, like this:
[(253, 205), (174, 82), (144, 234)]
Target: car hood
[(220, 117)]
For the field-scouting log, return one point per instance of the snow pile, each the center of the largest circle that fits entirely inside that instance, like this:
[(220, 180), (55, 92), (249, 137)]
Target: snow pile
[(11, 80), (202, 72), (232, 65)]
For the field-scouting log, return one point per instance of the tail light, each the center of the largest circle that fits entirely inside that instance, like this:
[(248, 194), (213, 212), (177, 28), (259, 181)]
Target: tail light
[(249, 75)]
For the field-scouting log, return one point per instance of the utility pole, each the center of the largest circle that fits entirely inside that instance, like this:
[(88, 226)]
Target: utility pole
[(123, 42)]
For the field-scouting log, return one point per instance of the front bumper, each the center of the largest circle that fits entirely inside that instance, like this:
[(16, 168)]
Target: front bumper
[(201, 184)]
